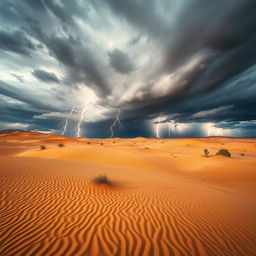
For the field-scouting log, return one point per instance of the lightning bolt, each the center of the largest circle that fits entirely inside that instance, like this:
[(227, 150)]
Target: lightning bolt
[(80, 121), (171, 125), (117, 121), (169, 129), (67, 119), (157, 127)]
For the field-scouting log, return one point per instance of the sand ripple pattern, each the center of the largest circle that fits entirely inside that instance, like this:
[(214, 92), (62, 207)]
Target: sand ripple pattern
[(53, 210)]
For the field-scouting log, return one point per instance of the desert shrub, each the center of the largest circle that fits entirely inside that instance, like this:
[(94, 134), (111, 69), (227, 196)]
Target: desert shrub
[(61, 145), (206, 152), (100, 180), (242, 154), (42, 147), (223, 152), (88, 142), (101, 143)]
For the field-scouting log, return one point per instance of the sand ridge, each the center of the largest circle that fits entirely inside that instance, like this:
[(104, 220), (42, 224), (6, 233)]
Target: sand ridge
[(167, 199)]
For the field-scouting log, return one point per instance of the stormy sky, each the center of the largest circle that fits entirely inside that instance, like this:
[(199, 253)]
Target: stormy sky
[(167, 68)]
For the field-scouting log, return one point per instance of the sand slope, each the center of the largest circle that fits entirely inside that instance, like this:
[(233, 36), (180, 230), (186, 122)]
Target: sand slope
[(166, 199)]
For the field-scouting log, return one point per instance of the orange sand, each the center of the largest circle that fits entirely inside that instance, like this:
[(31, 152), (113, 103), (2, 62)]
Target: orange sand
[(167, 199)]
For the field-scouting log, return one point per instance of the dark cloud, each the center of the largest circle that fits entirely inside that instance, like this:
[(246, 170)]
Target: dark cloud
[(210, 112), (61, 13), (236, 124), (28, 98), (196, 31), (16, 42), (82, 66), (121, 62), (61, 49), (36, 5), (44, 76), (196, 59)]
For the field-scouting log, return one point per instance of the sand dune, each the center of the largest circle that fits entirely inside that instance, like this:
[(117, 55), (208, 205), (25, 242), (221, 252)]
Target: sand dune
[(166, 198)]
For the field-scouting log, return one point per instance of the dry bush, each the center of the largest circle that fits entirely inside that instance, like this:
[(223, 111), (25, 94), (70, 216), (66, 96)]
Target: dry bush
[(206, 152), (42, 147), (101, 180), (223, 152), (61, 145)]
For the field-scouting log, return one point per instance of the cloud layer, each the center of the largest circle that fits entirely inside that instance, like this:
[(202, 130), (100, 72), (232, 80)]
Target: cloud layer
[(188, 62)]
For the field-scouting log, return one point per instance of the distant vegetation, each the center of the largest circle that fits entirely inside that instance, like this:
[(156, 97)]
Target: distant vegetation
[(206, 152), (223, 152), (100, 180), (42, 147), (61, 145)]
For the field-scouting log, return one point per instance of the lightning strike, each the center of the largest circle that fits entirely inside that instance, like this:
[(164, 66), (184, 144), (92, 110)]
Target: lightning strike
[(157, 127), (80, 121), (169, 128), (118, 122), (67, 119), (172, 128)]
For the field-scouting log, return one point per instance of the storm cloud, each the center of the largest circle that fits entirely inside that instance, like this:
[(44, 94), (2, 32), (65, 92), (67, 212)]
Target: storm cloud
[(185, 62), (16, 42), (121, 62), (44, 76)]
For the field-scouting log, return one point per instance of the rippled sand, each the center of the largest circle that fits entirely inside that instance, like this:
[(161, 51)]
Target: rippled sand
[(166, 198)]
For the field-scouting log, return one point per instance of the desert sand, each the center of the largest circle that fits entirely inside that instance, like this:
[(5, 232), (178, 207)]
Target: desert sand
[(166, 197)]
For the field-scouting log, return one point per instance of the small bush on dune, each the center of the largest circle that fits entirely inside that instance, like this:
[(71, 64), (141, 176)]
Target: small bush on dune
[(206, 152), (101, 180), (223, 152), (61, 145), (42, 147)]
